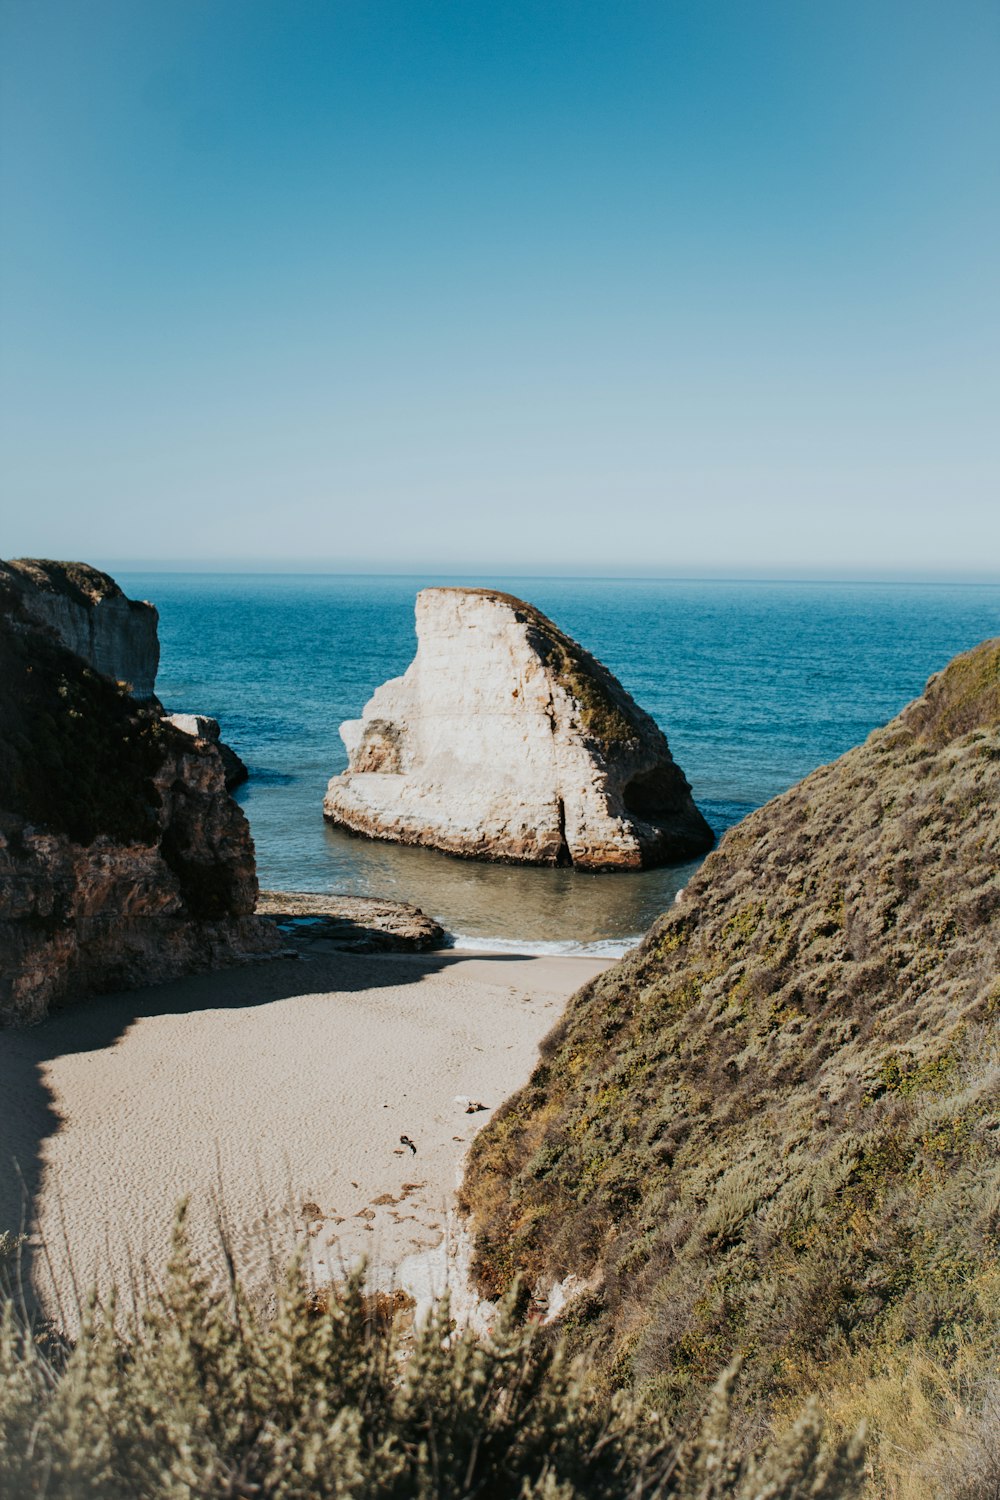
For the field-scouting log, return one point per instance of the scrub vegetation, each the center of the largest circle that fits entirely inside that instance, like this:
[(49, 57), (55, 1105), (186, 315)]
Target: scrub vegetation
[(76, 581), (198, 1397), (772, 1130)]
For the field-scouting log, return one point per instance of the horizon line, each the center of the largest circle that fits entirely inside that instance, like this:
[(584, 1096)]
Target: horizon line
[(186, 567)]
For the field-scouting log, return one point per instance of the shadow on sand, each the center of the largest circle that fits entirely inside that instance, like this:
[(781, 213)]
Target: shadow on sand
[(28, 1114)]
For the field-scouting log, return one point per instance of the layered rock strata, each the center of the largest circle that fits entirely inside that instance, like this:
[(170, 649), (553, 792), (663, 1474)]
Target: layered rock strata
[(122, 858), (505, 740)]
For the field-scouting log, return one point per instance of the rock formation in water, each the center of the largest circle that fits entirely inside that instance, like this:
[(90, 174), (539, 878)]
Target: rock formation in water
[(773, 1128), (122, 858), (505, 740)]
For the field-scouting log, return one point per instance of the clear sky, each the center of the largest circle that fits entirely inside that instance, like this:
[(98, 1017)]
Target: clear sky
[(672, 287)]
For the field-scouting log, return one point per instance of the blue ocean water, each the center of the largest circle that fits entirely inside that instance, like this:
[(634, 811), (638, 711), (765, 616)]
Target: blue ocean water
[(755, 684)]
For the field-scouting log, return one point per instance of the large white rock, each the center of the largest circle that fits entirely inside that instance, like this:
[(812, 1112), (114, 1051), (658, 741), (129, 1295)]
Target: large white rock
[(505, 740)]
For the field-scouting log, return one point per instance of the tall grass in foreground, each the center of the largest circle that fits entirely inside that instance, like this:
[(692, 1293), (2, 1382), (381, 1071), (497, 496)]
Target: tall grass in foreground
[(199, 1395)]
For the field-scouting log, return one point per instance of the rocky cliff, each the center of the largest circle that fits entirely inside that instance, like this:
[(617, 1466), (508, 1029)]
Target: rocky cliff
[(201, 727), (505, 740), (122, 858), (774, 1128), (88, 612)]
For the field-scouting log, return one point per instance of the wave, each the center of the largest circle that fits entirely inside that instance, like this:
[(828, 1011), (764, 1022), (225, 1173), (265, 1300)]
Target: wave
[(601, 948)]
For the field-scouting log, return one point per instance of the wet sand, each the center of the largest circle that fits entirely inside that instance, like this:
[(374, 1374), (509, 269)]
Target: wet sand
[(273, 1096)]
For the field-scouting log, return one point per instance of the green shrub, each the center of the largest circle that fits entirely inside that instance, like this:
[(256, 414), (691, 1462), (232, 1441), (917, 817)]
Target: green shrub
[(198, 1395)]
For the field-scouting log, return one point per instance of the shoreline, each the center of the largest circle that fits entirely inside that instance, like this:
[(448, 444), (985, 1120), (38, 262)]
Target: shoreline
[(373, 924), (601, 950), (274, 1097)]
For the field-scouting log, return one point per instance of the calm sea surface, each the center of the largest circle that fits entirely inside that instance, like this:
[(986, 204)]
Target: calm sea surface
[(755, 684)]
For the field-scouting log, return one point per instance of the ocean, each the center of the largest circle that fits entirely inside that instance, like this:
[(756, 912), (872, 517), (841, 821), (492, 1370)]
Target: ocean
[(754, 684)]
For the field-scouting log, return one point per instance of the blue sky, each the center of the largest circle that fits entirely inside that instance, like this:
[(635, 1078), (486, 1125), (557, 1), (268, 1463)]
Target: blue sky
[(663, 288)]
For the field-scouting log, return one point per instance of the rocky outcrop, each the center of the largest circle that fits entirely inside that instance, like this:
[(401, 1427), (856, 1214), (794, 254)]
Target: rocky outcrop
[(88, 612), (122, 858), (505, 740), (357, 924), (200, 727), (772, 1129)]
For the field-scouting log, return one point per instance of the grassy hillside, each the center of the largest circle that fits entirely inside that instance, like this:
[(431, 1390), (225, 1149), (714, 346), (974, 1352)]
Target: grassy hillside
[(774, 1126)]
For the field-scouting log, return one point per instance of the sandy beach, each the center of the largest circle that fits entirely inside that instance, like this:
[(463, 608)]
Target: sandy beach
[(275, 1095)]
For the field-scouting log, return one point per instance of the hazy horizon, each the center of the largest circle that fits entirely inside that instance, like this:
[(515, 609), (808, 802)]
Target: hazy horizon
[(290, 569), (659, 288)]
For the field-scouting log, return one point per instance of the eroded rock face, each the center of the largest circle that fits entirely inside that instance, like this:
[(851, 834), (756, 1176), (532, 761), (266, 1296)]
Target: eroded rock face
[(123, 860), (201, 727), (89, 613), (505, 740)]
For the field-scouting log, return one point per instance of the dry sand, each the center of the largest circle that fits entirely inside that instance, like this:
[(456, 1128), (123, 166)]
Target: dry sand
[(267, 1087)]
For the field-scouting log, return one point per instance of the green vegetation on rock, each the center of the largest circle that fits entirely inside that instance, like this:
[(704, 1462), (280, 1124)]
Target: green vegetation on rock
[(607, 711), (773, 1128), (76, 581)]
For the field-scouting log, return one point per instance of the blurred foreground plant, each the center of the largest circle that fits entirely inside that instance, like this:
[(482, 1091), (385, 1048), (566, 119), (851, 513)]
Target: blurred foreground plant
[(200, 1396)]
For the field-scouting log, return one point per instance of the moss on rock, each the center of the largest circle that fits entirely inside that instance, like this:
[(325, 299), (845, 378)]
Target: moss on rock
[(606, 709)]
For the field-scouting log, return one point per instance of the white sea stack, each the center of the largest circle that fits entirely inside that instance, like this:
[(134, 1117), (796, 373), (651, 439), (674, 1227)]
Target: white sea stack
[(505, 740)]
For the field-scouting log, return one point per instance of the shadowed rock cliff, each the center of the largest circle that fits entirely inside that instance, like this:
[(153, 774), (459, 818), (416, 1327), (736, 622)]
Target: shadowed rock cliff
[(89, 613), (201, 727), (122, 858), (505, 740), (774, 1127)]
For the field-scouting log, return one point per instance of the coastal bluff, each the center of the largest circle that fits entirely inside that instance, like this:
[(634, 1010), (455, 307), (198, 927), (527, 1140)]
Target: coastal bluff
[(92, 617), (123, 860), (505, 740)]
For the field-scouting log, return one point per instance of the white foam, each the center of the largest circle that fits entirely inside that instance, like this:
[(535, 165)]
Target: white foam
[(603, 948)]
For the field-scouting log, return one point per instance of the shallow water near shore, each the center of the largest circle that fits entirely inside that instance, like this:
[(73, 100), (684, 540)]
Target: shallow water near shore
[(755, 684)]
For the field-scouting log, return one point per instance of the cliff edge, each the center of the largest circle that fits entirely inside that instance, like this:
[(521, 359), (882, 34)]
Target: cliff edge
[(92, 617), (505, 740), (123, 860)]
